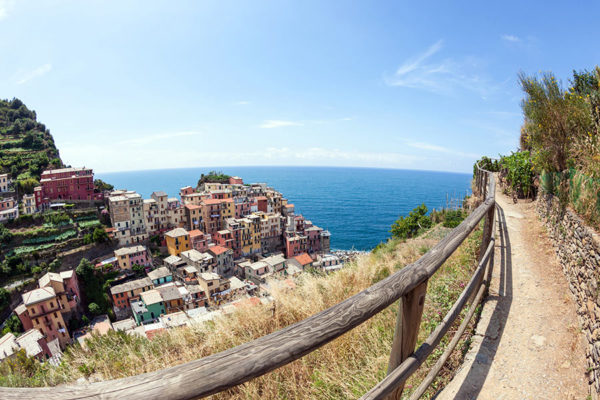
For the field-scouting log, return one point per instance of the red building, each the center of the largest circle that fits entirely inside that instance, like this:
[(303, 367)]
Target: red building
[(198, 240), (235, 180), (66, 184), (263, 203)]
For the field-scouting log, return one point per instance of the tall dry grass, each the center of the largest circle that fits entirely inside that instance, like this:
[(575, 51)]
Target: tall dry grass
[(345, 368)]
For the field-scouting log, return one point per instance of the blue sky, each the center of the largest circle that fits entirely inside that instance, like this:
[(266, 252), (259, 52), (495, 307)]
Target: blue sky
[(129, 85)]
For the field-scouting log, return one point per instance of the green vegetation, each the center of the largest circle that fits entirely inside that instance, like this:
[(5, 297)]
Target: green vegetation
[(102, 186), (26, 146), (328, 373), (213, 177), (4, 299), (94, 287), (13, 324), (417, 222), (559, 142)]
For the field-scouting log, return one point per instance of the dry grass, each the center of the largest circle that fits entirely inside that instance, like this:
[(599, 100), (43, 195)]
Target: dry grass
[(345, 368)]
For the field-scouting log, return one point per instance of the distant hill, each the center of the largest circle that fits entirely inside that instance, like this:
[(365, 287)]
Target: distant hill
[(26, 147)]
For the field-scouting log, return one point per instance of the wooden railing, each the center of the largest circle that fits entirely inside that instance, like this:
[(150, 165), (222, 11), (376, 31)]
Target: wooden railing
[(221, 371)]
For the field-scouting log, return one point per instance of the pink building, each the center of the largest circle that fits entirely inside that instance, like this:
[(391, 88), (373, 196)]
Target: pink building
[(198, 240), (235, 180), (295, 245), (66, 184), (186, 190), (128, 256)]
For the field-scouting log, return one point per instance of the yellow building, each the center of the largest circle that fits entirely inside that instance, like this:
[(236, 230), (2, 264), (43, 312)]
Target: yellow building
[(178, 240), (44, 310), (251, 242)]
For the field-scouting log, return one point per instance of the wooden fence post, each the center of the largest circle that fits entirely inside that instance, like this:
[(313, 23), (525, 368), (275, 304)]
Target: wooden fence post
[(410, 310)]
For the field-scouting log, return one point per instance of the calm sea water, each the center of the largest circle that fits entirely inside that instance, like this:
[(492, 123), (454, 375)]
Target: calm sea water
[(357, 205)]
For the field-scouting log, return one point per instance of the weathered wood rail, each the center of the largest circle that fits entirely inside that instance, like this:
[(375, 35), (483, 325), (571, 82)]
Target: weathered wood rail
[(218, 372)]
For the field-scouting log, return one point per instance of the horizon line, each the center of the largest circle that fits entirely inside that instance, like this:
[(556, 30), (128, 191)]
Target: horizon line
[(280, 166)]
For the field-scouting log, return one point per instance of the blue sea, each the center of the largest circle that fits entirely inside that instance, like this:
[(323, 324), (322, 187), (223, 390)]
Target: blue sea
[(357, 205)]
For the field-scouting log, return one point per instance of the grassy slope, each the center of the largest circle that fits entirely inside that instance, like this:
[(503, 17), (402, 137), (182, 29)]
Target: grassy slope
[(23, 159), (345, 368)]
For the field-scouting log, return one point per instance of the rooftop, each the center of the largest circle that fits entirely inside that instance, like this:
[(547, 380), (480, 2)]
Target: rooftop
[(304, 259), (124, 325), (38, 295), (159, 193), (168, 293), (217, 250), (48, 277), (195, 232), (209, 276), (129, 250), (196, 256), (177, 232), (30, 342), (158, 273), (151, 297), (172, 260), (131, 285)]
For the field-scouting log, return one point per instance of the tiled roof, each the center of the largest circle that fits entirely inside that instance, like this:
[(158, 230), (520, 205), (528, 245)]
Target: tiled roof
[(209, 276), (159, 193), (129, 250), (159, 273), (195, 232), (38, 295), (131, 285), (151, 297), (217, 250), (177, 232), (169, 293), (304, 259), (49, 276)]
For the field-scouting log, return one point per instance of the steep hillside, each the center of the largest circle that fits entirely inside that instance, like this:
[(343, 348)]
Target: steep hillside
[(26, 146), (344, 368)]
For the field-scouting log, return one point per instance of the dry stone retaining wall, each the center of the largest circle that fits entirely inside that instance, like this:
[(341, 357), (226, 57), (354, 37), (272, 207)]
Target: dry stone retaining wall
[(578, 248)]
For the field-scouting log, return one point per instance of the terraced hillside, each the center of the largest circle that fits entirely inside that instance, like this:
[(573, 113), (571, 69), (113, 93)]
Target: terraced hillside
[(26, 146)]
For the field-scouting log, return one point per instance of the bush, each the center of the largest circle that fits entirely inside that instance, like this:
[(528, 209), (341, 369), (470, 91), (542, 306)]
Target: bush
[(518, 171), (413, 224), (94, 309), (100, 235)]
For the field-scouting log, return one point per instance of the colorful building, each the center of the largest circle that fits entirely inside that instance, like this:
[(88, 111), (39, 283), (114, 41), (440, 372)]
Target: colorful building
[(125, 293), (44, 311), (148, 308), (29, 206), (223, 257), (4, 182), (128, 217), (160, 276), (178, 240), (71, 184), (198, 240), (127, 257)]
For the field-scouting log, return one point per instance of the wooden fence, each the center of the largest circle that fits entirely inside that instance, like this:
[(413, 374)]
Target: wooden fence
[(221, 371)]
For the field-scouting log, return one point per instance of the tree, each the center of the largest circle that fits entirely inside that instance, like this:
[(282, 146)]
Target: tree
[(13, 324), (138, 269), (554, 120), (94, 309), (413, 224), (100, 235), (4, 298), (5, 235)]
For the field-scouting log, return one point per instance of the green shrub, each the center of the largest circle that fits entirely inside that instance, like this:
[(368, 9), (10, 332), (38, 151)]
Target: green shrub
[(413, 224), (518, 171)]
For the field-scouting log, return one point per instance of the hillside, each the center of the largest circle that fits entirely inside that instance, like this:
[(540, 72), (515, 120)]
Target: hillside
[(345, 368), (27, 146)]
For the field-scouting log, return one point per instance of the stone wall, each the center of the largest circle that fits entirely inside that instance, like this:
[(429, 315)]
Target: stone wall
[(578, 248)]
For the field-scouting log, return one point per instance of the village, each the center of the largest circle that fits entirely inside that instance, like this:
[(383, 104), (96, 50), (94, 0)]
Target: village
[(176, 261)]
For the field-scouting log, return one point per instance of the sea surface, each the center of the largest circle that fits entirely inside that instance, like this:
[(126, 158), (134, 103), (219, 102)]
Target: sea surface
[(357, 205)]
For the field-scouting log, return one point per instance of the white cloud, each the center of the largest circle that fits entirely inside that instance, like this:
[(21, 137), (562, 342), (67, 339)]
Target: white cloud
[(511, 38), (275, 123), (152, 138), (5, 7), (241, 103), (440, 149), (36, 73), (443, 76)]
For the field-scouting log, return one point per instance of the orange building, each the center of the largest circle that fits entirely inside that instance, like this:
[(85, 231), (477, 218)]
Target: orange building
[(178, 240), (45, 311)]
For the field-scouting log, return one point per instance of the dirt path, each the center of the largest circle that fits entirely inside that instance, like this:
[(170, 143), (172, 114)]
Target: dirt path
[(528, 343)]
